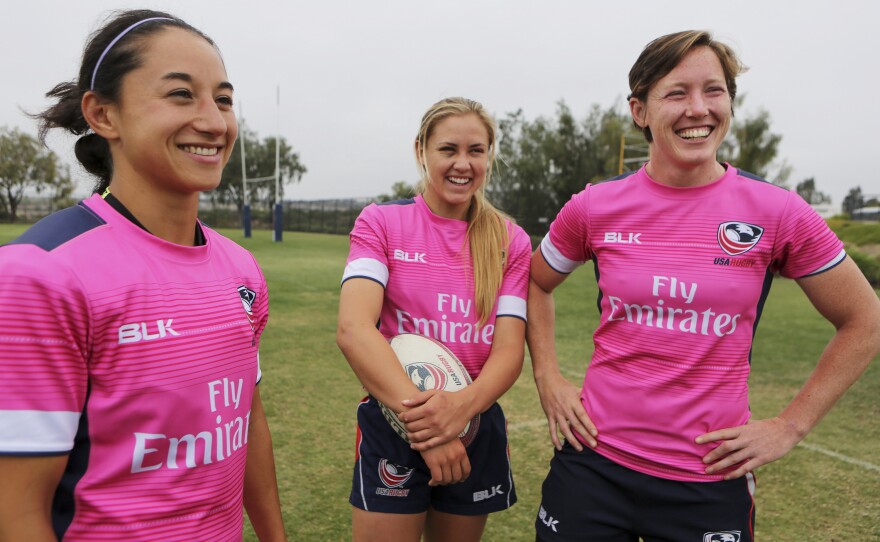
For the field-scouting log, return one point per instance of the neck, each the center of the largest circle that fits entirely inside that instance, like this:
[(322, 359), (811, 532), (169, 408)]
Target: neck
[(685, 176), (168, 215)]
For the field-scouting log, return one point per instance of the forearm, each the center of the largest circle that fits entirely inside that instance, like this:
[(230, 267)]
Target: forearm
[(366, 349), (847, 301), (540, 333), (844, 360), (501, 369), (374, 363), (261, 499)]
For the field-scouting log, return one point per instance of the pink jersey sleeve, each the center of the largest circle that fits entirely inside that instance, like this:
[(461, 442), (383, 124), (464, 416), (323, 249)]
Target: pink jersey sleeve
[(368, 257), (805, 241), (567, 245), (43, 349), (515, 285), (259, 312)]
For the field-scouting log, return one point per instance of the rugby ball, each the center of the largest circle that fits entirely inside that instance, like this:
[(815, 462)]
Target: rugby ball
[(430, 366)]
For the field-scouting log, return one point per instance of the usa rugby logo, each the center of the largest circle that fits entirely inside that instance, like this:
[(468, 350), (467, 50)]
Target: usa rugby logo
[(393, 475), (247, 300), (722, 536), (426, 376), (737, 238)]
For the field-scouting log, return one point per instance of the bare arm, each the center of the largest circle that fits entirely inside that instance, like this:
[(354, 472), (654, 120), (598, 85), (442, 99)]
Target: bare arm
[(260, 485), (26, 495), (366, 350), (372, 360), (844, 298), (560, 399)]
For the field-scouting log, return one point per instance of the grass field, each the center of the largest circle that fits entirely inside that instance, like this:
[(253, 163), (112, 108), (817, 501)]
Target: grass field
[(827, 489)]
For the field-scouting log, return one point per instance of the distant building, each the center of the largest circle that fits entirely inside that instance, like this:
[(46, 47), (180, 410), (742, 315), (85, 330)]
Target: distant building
[(866, 214), (824, 209)]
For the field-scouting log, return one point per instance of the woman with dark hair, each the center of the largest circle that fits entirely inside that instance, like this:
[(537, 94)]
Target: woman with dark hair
[(129, 405), (659, 441)]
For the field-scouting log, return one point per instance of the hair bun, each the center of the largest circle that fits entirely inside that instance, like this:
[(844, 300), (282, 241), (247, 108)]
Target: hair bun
[(93, 153)]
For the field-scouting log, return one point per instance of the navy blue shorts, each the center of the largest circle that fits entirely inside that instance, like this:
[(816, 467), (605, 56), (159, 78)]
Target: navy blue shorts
[(589, 497), (391, 477)]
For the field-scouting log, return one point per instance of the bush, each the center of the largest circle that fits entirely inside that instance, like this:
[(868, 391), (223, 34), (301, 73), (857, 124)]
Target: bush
[(856, 233), (869, 265)]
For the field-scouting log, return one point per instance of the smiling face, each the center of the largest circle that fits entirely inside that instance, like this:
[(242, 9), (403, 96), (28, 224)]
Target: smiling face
[(455, 158), (173, 127), (688, 112)]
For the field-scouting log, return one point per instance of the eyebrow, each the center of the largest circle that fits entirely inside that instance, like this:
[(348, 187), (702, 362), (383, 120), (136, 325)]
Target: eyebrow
[(441, 143), (188, 78)]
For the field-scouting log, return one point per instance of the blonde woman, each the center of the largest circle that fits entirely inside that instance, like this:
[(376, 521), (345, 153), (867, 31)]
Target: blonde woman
[(448, 265)]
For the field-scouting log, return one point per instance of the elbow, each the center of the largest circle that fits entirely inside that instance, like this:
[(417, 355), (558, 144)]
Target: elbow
[(348, 334), (343, 336)]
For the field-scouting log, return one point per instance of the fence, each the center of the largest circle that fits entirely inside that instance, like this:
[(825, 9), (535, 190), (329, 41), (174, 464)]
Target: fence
[(317, 216)]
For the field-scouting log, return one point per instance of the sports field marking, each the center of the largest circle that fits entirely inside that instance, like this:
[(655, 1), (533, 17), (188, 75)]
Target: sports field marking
[(812, 447), (841, 457)]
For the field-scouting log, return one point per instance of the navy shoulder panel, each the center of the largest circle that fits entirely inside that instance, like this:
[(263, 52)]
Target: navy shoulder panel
[(60, 227), (409, 201), (752, 176), (746, 174)]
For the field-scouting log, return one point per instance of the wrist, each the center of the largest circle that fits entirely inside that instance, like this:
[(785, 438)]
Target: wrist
[(546, 373), (796, 430)]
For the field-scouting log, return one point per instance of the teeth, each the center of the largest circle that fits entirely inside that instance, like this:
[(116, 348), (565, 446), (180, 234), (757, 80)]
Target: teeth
[(458, 180), (694, 133), (201, 151)]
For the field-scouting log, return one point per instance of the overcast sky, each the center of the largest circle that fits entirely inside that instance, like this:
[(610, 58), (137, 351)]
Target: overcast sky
[(356, 76)]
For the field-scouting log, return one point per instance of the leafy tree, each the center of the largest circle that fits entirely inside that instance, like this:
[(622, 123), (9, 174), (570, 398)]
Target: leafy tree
[(752, 147), (543, 162), (61, 191), (26, 164), (399, 190), (520, 184), (854, 200), (807, 190), (260, 162)]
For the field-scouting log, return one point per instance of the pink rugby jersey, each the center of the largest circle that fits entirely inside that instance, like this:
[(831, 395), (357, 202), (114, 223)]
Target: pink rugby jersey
[(683, 274), (138, 359), (423, 262)]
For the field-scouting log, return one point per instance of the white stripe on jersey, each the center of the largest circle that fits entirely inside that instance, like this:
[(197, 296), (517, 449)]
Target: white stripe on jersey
[(36, 432), (555, 258), (511, 305), (367, 268), (837, 259)]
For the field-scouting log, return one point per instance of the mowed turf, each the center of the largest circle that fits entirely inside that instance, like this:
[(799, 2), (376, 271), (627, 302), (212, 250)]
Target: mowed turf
[(826, 490)]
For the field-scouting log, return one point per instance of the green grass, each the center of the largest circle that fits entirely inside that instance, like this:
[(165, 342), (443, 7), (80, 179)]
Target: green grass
[(856, 233), (311, 394)]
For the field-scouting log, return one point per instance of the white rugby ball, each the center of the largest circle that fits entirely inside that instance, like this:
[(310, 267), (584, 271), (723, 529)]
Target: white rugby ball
[(430, 366)]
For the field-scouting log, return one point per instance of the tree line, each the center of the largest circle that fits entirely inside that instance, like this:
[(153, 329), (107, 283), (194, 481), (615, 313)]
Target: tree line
[(540, 163)]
